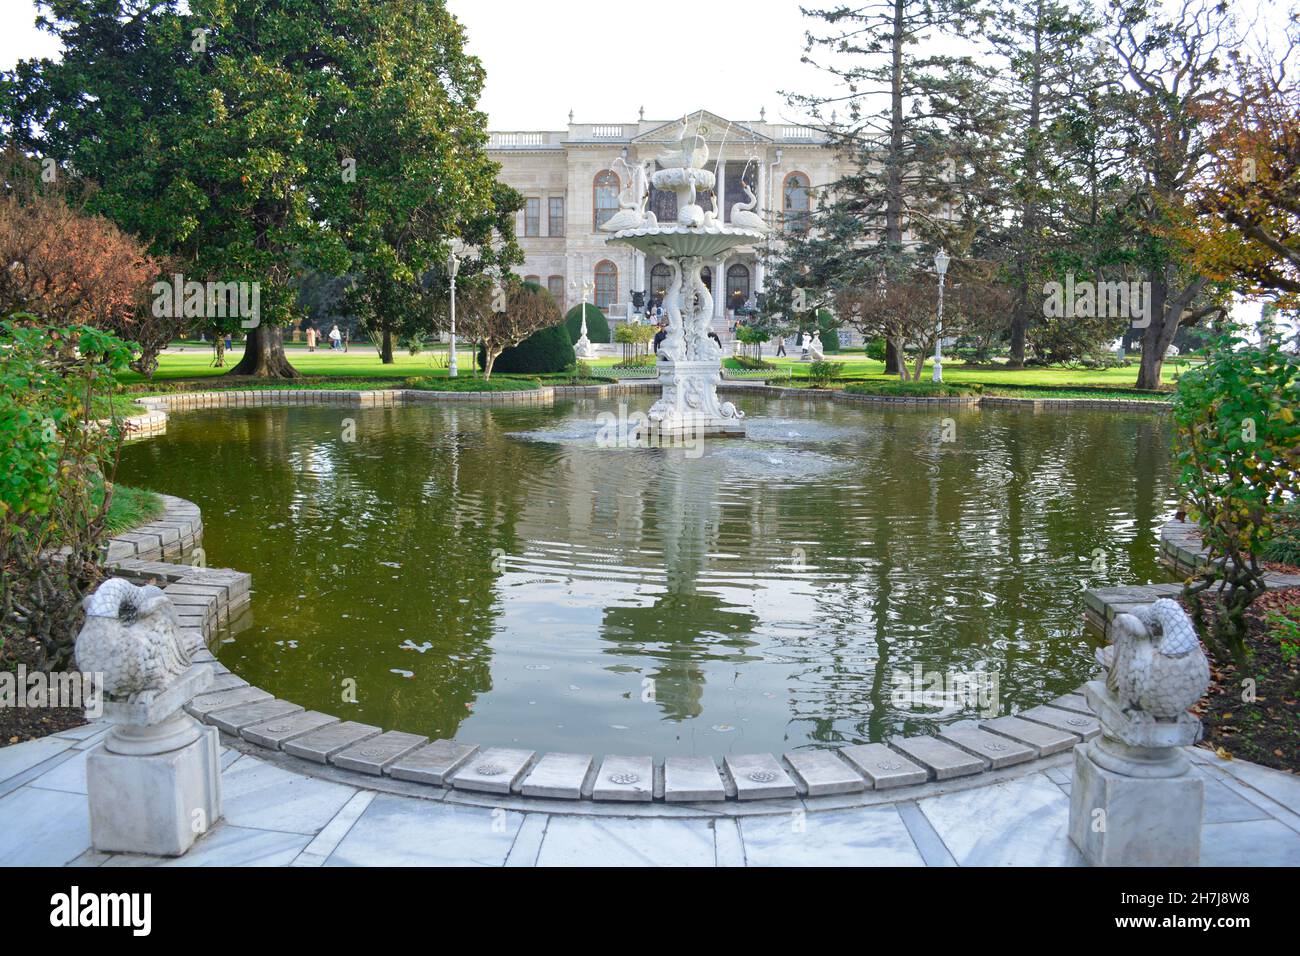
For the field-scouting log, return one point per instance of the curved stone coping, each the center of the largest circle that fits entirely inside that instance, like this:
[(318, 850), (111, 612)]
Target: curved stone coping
[(368, 398), (1181, 551)]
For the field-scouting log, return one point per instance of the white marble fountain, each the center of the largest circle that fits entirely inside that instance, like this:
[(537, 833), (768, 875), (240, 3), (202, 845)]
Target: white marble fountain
[(689, 361)]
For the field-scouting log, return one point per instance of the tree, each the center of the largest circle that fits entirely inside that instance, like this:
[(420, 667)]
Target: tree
[(498, 319), (901, 310), (220, 132), (1238, 457), (1174, 67), (69, 268)]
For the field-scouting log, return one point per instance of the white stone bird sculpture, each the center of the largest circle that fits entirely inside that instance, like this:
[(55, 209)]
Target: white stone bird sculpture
[(1155, 664), (131, 640), (743, 215), (692, 153)]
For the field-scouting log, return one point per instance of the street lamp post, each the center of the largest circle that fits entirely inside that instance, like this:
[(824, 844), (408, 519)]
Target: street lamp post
[(453, 266), (941, 260)]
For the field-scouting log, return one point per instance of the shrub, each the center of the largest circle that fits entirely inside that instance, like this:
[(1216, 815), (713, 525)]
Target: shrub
[(549, 350), (876, 349), (57, 484), (1237, 450), (826, 327), (748, 362), (821, 374), (913, 389), (597, 324), (1284, 547)]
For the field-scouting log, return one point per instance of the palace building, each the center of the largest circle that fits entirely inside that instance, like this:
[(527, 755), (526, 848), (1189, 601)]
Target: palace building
[(571, 180)]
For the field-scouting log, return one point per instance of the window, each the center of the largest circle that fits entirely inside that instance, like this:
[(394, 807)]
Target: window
[(532, 216), (606, 284), (555, 285), (536, 280), (659, 278), (663, 203), (706, 276), (555, 221), (795, 203), (605, 188), (737, 286)]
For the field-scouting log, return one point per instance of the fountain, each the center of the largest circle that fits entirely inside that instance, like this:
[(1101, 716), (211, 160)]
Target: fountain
[(689, 362)]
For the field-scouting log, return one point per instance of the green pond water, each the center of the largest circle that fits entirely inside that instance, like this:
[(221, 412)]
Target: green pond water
[(495, 575)]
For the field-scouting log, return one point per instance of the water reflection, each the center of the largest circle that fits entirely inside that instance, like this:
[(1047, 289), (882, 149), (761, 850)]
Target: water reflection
[(541, 590)]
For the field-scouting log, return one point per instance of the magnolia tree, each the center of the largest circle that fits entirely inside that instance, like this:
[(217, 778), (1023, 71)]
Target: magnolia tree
[(498, 318), (1238, 458)]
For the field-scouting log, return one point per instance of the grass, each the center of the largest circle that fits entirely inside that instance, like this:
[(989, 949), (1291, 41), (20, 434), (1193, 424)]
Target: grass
[(132, 507), (360, 368), (467, 383), (913, 389)]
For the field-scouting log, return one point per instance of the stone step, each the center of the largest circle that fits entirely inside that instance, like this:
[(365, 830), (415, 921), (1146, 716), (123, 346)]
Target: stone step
[(758, 777), (559, 776), (433, 763), (692, 779), (941, 760), (882, 767), (819, 773), (495, 770), (1043, 739), (205, 704), (1085, 726), (273, 733), (624, 778), (234, 719), (1071, 702), (998, 751), (372, 755), (321, 744)]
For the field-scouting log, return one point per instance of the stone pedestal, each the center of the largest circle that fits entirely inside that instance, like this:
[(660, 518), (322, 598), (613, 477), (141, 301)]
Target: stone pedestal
[(1135, 800), (154, 786), (155, 804), (690, 405)]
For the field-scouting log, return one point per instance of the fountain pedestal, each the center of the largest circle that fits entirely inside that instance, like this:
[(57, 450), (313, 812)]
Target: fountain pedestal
[(689, 403)]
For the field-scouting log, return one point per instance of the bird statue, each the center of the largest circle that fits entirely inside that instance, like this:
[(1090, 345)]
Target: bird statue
[(131, 641), (743, 215), (631, 201), (1155, 665), (692, 153)]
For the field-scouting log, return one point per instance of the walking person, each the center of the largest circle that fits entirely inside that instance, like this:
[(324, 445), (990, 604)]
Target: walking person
[(311, 338), (780, 345)]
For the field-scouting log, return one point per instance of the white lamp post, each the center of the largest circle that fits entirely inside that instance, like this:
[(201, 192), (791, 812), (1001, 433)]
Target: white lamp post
[(941, 260), (453, 266)]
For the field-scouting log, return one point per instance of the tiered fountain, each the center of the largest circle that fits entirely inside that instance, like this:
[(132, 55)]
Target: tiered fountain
[(690, 363)]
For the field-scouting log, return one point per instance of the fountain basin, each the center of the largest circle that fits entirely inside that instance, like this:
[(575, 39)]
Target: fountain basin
[(680, 241)]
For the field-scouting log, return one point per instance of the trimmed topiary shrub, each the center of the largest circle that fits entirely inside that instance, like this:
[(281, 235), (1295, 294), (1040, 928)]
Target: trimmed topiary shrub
[(597, 324), (549, 350), (826, 325)]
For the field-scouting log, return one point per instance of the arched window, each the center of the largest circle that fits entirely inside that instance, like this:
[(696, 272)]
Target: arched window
[(660, 275), (795, 202), (706, 276), (606, 284), (605, 188), (737, 286), (535, 279), (555, 285)]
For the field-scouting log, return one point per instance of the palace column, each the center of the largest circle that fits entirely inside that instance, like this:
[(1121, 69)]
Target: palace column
[(720, 192), (720, 287)]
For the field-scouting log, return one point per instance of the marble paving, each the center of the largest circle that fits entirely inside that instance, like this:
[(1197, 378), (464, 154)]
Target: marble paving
[(277, 817)]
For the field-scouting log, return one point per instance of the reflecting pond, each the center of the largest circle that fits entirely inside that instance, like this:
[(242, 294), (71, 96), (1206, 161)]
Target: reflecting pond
[(496, 575)]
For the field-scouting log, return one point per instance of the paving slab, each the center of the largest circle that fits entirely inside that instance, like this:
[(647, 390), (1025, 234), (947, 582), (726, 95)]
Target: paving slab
[(433, 763), (625, 778), (375, 753), (606, 841), (558, 775), (273, 733), (234, 719), (1084, 725), (1045, 740), (758, 777), (942, 760), (692, 779), (321, 744), (998, 751), (495, 770), (820, 773), (206, 704), (882, 767), (865, 836), (1076, 703)]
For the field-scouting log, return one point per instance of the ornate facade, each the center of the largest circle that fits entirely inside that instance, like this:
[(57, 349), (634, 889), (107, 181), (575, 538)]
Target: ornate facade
[(570, 188)]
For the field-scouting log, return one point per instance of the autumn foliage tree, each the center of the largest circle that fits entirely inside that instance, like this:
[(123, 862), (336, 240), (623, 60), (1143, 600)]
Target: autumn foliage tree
[(67, 267), (498, 318)]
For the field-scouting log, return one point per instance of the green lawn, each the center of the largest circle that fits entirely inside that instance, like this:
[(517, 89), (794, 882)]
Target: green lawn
[(190, 360)]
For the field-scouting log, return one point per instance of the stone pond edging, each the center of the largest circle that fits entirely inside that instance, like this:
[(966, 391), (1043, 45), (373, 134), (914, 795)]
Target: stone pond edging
[(324, 745)]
